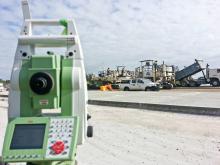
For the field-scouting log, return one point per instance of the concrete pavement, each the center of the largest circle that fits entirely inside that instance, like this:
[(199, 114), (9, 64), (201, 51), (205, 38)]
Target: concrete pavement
[(180, 97)]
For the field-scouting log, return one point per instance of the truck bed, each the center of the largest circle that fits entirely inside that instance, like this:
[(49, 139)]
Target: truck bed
[(188, 71)]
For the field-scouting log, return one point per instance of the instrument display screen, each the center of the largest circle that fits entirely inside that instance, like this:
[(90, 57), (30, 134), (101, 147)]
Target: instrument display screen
[(28, 136)]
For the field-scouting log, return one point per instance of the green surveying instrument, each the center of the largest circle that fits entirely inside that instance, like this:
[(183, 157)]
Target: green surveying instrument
[(48, 97)]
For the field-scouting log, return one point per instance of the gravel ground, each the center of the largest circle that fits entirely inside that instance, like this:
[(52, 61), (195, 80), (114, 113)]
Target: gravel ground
[(133, 137)]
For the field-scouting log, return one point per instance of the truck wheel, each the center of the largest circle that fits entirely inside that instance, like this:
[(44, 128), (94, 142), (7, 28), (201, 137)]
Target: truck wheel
[(147, 89), (89, 116), (154, 88), (192, 84), (90, 131), (215, 83), (184, 84), (126, 89), (198, 85)]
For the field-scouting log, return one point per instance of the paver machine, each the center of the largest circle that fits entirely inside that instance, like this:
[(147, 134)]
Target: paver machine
[(48, 97)]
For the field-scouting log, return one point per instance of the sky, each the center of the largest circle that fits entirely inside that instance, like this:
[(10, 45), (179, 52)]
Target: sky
[(123, 32)]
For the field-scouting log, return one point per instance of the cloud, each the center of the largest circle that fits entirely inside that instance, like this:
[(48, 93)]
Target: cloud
[(119, 32)]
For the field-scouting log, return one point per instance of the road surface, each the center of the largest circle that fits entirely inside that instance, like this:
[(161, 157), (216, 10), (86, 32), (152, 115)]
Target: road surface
[(134, 137)]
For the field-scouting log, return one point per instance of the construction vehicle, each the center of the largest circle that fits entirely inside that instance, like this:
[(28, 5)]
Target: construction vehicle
[(117, 74), (184, 76), (148, 70), (167, 75), (109, 76), (48, 97), (121, 72), (95, 82), (163, 74)]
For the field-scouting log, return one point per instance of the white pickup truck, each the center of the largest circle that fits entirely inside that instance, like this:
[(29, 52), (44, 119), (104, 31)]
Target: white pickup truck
[(138, 84)]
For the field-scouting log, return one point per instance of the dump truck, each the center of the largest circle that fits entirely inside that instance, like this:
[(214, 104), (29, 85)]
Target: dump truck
[(183, 77)]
